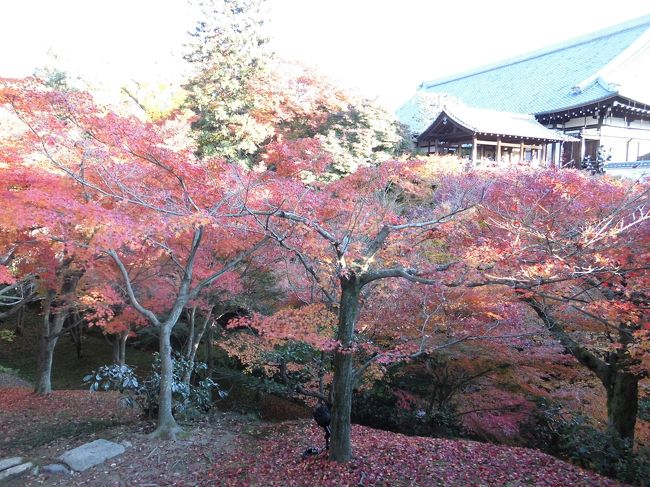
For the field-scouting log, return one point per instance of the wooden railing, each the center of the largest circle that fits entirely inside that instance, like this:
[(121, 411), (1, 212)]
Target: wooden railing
[(627, 165)]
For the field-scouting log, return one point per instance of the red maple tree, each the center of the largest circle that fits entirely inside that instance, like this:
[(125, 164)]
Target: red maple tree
[(156, 205), (574, 249)]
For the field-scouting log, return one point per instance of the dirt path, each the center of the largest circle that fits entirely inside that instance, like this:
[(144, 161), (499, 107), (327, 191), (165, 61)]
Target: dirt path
[(147, 462)]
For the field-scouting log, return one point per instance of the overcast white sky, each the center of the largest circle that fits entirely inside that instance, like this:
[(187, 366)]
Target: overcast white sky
[(380, 48)]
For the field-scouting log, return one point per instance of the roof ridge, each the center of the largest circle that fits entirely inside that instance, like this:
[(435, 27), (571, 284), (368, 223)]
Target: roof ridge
[(631, 53), (577, 41)]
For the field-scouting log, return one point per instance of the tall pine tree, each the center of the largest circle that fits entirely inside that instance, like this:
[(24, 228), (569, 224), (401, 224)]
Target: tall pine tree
[(229, 56)]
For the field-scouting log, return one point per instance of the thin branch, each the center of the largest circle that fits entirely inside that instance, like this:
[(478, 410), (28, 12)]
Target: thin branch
[(408, 274), (129, 289), (297, 218), (584, 356), (227, 268)]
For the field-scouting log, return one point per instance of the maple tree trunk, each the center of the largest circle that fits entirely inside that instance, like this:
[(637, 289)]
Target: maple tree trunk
[(76, 333), (44, 375), (189, 355), (51, 328), (340, 447), (123, 338), (622, 387), (20, 321), (167, 427), (193, 342), (119, 348), (116, 351), (622, 404), (49, 336), (209, 356)]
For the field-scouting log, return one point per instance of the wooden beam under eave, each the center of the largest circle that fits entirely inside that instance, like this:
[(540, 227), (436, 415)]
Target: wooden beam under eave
[(509, 144), (506, 144)]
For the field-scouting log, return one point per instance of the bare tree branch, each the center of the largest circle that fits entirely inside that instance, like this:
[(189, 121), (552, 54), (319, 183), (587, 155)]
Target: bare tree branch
[(150, 315), (408, 274), (226, 268)]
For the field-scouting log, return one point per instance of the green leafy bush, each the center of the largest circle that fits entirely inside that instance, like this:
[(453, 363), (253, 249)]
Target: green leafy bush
[(7, 336), (576, 438), (143, 393), (7, 370)]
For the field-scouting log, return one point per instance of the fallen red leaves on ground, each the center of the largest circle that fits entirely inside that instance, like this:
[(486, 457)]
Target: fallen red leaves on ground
[(28, 420), (271, 456), (245, 452)]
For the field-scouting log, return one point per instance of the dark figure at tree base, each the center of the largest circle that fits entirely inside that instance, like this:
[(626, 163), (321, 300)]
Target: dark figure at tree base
[(323, 419), (310, 452)]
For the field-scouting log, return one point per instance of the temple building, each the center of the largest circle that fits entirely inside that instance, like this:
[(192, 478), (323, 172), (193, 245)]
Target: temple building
[(488, 135), (582, 100)]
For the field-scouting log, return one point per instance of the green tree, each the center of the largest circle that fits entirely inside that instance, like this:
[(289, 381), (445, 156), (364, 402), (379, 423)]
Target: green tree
[(229, 58), (362, 134)]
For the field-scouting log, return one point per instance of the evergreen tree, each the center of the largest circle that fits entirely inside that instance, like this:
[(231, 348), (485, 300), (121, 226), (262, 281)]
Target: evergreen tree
[(229, 57)]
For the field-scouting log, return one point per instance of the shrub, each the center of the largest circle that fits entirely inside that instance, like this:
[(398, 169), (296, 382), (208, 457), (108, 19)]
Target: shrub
[(186, 399), (576, 438), (7, 336), (399, 411), (606, 453), (7, 370)]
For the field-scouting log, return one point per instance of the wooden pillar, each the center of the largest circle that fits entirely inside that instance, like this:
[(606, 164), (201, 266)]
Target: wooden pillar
[(552, 158), (542, 156), (498, 157), (474, 150), (437, 142), (522, 148)]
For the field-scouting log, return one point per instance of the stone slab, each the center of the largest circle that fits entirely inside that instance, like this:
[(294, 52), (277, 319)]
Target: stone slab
[(13, 472), (57, 468), (91, 454), (6, 463)]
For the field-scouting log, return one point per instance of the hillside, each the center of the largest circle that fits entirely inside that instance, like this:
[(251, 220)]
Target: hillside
[(235, 450)]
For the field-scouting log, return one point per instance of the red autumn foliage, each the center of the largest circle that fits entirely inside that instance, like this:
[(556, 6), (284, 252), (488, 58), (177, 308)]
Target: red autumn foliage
[(541, 236)]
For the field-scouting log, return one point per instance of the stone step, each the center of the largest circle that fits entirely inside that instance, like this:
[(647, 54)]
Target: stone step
[(56, 468), (91, 454), (13, 472), (6, 463)]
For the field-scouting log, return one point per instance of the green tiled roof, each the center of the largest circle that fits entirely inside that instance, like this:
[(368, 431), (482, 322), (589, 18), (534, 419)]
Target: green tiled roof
[(493, 122), (542, 81)]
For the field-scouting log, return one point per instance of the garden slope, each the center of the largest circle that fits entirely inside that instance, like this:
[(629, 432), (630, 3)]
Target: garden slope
[(233, 450)]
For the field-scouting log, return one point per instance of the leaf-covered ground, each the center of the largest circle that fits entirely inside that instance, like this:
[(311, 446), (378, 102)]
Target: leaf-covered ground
[(233, 450), (381, 458), (28, 421)]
